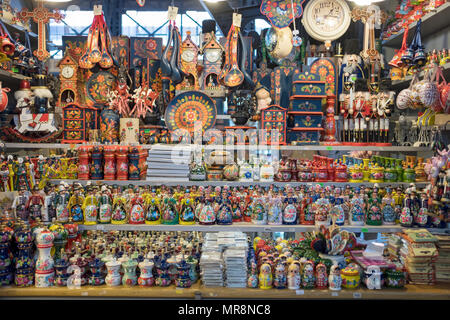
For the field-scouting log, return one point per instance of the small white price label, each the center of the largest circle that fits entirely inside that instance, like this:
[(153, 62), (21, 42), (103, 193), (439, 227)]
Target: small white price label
[(299, 292), (85, 293), (172, 13), (334, 294), (179, 291), (98, 10), (357, 295), (237, 19)]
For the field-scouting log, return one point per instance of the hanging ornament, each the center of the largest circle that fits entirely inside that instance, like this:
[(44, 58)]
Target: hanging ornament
[(281, 13)]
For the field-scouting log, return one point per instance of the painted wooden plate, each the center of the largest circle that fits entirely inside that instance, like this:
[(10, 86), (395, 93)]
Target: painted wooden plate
[(98, 85), (187, 108)]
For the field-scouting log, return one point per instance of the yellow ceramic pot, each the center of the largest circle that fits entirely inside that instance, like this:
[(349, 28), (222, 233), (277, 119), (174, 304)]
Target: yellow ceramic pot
[(376, 174), (350, 277), (356, 174)]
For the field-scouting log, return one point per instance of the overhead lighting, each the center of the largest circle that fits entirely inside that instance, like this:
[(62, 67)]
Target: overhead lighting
[(365, 2), (56, 0), (213, 1)]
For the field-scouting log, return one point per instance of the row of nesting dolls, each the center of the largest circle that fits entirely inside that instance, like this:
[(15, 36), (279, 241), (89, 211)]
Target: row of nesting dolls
[(310, 205), (305, 274)]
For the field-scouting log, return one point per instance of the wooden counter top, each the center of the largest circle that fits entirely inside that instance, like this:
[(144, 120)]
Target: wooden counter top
[(423, 292)]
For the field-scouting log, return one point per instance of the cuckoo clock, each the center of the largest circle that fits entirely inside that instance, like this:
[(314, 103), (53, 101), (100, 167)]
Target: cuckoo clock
[(189, 59), (71, 84), (212, 63)]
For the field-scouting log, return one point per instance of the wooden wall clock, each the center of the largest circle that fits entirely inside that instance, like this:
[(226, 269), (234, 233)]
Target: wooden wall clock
[(326, 20), (71, 83), (189, 59)]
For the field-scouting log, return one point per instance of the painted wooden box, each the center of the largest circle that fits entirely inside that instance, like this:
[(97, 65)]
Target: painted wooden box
[(305, 105), (304, 136), (305, 119), (273, 118), (308, 85), (77, 120)]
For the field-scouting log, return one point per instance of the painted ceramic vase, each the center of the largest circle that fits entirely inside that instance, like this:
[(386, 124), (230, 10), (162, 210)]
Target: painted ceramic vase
[(146, 277), (109, 126)]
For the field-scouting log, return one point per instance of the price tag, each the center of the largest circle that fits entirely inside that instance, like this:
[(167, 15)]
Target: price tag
[(172, 13), (299, 292), (357, 295), (178, 291), (101, 227), (98, 10), (85, 293), (335, 294), (330, 148), (237, 19), (364, 230)]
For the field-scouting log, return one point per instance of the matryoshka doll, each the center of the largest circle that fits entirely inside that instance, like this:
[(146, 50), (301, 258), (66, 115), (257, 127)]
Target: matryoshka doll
[(105, 210), (374, 216), (224, 214), (321, 277), (119, 213), (137, 215), (357, 205), (387, 208), (62, 205), (187, 211), (153, 211), (248, 207), (170, 214), (308, 279), (265, 276), (293, 278), (90, 207), (279, 279), (307, 214), (290, 208), (274, 216), (252, 281), (259, 215), (322, 208), (335, 278), (337, 212), (236, 207)]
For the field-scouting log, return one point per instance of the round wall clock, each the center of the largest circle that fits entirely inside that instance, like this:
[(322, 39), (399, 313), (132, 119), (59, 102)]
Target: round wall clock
[(326, 20)]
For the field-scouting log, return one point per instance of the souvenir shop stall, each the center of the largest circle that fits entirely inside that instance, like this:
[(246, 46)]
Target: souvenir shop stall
[(308, 160)]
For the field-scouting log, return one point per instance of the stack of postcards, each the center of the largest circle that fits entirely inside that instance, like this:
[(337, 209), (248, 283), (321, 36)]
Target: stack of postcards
[(211, 263), (168, 163), (419, 254), (394, 245), (443, 261), (235, 267)]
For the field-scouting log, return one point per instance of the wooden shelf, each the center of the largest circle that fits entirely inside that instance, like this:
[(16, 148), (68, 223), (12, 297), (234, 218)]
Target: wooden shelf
[(13, 145), (432, 22), (7, 76), (198, 291), (232, 183), (398, 84)]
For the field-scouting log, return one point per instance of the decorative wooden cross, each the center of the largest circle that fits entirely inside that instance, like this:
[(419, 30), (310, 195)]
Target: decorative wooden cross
[(41, 16)]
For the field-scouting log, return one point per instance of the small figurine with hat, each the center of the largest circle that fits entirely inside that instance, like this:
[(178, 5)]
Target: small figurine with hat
[(35, 204), (20, 204)]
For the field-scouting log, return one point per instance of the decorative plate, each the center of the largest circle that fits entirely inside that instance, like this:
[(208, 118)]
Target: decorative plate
[(187, 108), (98, 85)]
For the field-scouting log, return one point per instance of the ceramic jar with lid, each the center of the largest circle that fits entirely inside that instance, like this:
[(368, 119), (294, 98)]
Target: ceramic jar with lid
[(350, 277), (129, 272), (245, 172), (335, 279), (113, 278), (146, 277), (162, 268), (97, 272)]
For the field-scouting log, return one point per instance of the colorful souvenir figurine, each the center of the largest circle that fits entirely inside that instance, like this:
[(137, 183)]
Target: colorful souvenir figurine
[(113, 278), (170, 213), (75, 206), (335, 279), (374, 216), (90, 207), (129, 269), (265, 276), (293, 278), (153, 211), (357, 205), (275, 214), (45, 274), (252, 281), (105, 210), (373, 277), (308, 278), (20, 205), (224, 213), (279, 279), (137, 209), (387, 210), (146, 277)]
